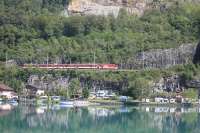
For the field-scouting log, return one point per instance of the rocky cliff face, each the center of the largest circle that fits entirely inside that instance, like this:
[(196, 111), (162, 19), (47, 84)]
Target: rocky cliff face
[(107, 7), (196, 58), (164, 58), (171, 83), (50, 83)]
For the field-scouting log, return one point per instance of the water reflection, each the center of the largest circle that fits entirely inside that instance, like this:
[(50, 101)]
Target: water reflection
[(56, 119), (170, 109)]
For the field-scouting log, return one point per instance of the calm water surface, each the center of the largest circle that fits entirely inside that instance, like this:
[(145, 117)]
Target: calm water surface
[(24, 119)]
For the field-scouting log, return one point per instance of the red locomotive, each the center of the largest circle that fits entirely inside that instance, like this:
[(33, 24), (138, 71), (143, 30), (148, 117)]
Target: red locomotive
[(72, 66)]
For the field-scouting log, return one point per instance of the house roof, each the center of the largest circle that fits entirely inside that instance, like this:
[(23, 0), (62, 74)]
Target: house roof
[(32, 88), (4, 87)]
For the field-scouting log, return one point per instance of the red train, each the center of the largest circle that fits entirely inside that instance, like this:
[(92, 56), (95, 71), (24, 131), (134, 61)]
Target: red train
[(72, 66)]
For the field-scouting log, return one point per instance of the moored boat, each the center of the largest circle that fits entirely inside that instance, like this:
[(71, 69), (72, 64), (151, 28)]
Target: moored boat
[(13, 102), (66, 103), (81, 103), (55, 99)]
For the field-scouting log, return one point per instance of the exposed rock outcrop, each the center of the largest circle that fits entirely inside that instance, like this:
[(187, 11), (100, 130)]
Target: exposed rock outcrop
[(196, 59), (107, 7), (164, 58), (47, 82), (171, 83), (50, 83)]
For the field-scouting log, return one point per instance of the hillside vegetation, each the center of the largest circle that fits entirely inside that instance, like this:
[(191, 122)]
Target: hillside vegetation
[(136, 84), (31, 30)]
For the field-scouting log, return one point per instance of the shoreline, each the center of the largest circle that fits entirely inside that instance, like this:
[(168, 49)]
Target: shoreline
[(139, 103), (100, 102)]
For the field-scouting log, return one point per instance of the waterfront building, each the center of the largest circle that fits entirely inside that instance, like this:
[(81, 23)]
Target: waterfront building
[(103, 94), (165, 100), (159, 100), (7, 92), (40, 92)]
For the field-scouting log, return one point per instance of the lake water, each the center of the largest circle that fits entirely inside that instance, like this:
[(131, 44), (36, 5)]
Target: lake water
[(24, 119)]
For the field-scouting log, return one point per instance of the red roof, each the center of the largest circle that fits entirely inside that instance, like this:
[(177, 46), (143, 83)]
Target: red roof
[(4, 87)]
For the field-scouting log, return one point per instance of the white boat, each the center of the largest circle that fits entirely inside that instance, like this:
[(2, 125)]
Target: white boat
[(5, 107), (1, 101), (39, 110), (55, 107), (55, 98), (81, 103), (67, 103), (13, 102)]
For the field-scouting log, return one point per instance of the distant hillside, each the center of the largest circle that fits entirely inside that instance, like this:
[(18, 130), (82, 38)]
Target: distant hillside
[(32, 30)]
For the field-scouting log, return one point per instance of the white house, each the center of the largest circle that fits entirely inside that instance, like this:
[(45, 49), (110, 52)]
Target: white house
[(40, 92), (165, 100), (147, 100), (102, 93), (7, 92), (159, 99)]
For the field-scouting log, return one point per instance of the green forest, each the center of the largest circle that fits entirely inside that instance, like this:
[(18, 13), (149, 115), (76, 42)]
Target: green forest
[(31, 30)]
